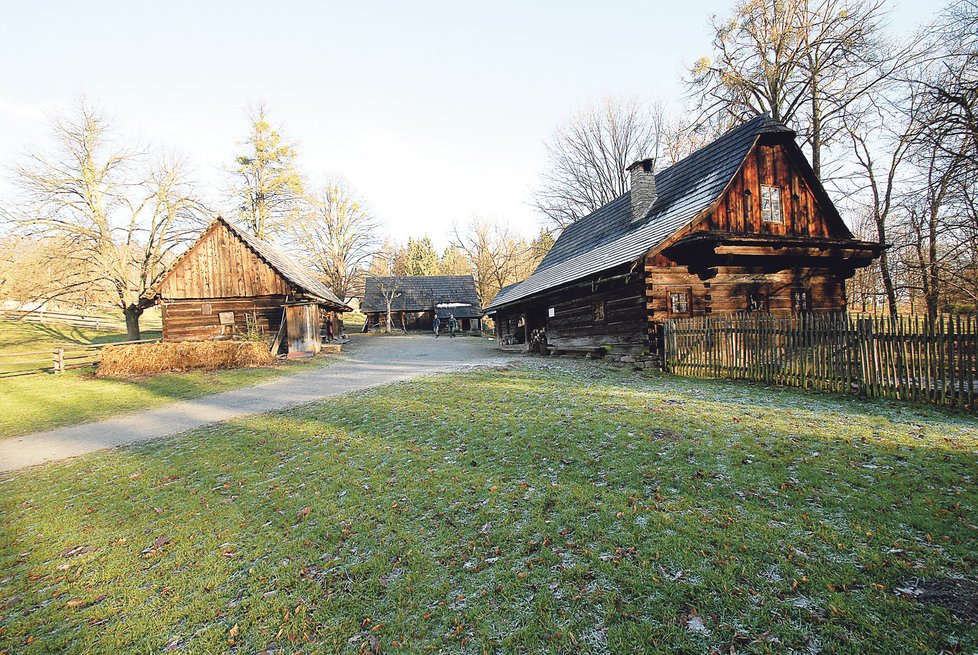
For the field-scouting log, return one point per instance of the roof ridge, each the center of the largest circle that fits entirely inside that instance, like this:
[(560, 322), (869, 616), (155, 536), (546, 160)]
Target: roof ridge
[(607, 237)]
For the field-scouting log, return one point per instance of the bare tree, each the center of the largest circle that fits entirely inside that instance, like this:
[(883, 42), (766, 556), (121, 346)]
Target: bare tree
[(804, 61), (36, 269), (389, 259), (121, 221), (337, 236), (939, 198), (268, 189), (497, 256), (950, 82), (881, 136), (587, 158), (390, 290)]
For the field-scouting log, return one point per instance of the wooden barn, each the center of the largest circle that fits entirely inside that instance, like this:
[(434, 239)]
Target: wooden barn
[(740, 225), (230, 282), (416, 299)]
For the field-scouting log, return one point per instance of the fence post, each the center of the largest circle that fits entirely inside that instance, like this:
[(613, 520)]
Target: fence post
[(666, 335), (59, 361), (864, 332)]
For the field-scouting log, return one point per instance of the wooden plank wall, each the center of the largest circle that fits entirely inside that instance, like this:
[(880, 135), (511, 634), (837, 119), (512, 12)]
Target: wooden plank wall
[(741, 213), (189, 319), (220, 265), (303, 324)]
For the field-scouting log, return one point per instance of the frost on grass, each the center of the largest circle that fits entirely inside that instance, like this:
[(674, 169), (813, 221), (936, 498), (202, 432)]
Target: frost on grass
[(550, 507)]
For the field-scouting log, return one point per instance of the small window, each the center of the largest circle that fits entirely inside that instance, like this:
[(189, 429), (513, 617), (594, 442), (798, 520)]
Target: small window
[(801, 300), (679, 303), (206, 309), (771, 204), (599, 312), (756, 302)]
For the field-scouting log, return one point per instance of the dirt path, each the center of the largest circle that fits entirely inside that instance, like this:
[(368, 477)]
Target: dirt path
[(367, 361)]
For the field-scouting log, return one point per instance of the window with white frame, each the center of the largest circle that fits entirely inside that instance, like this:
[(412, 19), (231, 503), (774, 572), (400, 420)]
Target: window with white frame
[(771, 204), (679, 303), (801, 300)]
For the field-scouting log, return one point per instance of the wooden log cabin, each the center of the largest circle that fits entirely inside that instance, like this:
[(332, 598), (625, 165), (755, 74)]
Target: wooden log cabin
[(742, 224), (230, 282), (417, 299)]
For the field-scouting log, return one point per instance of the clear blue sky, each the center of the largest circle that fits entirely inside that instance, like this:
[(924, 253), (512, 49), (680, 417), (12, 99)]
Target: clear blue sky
[(434, 111)]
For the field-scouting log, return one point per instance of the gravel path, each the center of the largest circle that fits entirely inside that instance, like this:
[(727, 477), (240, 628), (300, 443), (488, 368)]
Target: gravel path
[(367, 361)]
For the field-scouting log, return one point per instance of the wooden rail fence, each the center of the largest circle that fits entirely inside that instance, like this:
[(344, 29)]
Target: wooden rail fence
[(95, 322), (56, 360), (905, 358)]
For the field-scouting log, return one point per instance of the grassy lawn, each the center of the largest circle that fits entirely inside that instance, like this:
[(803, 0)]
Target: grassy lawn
[(554, 508), (41, 401), (353, 322)]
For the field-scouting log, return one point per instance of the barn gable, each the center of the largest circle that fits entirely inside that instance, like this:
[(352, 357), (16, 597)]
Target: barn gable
[(221, 265), (227, 262)]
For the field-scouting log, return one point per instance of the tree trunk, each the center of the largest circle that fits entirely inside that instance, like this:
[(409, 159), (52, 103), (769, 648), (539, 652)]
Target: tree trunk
[(891, 299), (933, 290), (132, 314), (816, 130)]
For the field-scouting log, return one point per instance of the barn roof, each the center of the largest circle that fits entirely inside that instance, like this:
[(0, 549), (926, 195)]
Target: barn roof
[(608, 237), (448, 294), (298, 276)]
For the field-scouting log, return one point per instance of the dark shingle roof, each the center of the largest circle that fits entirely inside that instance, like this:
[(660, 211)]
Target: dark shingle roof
[(423, 293), (607, 237)]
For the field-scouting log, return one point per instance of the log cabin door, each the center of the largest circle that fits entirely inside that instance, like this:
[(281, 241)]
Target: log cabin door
[(537, 320), (302, 327)]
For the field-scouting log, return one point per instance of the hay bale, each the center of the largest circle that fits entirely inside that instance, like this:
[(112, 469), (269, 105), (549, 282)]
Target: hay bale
[(155, 358)]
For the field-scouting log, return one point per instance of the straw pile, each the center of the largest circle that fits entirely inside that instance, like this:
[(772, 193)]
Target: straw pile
[(154, 358)]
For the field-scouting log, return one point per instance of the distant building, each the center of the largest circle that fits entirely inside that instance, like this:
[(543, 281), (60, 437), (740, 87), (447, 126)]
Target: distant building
[(417, 299), (742, 224), (229, 281)]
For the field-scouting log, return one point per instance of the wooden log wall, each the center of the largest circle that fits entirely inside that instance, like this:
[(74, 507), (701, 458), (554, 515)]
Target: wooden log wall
[(220, 265), (200, 319), (729, 289), (573, 325)]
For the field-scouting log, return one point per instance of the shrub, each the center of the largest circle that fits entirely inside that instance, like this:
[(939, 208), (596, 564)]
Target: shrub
[(154, 358)]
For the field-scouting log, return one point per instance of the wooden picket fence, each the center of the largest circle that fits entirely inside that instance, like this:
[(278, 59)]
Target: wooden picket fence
[(56, 360), (905, 358)]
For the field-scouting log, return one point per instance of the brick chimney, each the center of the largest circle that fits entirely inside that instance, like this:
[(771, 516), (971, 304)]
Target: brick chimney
[(643, 188)]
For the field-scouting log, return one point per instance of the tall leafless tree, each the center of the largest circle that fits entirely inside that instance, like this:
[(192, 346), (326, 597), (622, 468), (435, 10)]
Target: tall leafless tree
[(588, 155), (498, 257), (804, 61), (390, 290), (121, 216), (336, 235)]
